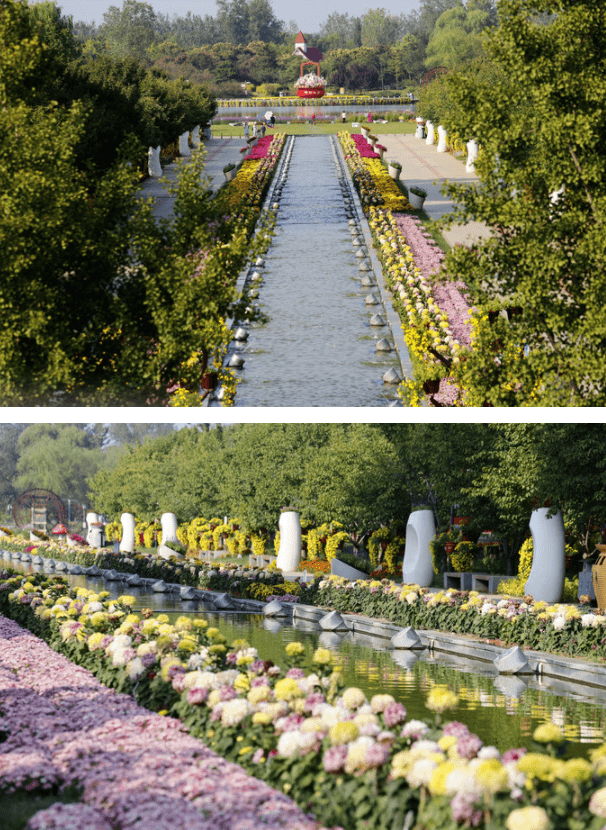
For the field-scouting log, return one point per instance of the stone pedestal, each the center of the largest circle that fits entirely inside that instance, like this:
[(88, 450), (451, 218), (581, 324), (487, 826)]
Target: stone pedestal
[(417, 567), (289, 554), (153, 162), (184, 145), (127, 545), (546, 580), (442, 146)]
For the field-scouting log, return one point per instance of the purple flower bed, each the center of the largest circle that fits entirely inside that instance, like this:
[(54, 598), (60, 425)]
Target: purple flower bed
[(137, 769), (428, 257)]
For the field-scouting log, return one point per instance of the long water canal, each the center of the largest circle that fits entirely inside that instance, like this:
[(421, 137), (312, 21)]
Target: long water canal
[(502, 711), (319, 344)]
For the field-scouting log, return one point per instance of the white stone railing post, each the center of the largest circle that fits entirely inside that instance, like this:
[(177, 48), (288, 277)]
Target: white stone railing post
[(472, 155), (417, 567), (195, 137), (184, 144), (289, 554), (546, 580), (153, 162), (442, 146), (127, 545), (431, 136)]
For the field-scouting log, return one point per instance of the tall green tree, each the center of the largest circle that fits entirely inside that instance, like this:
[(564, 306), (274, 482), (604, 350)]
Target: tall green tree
[(131, 29), (9, 456), (380, 29), (57, 457), (542, 168), (457, 35)]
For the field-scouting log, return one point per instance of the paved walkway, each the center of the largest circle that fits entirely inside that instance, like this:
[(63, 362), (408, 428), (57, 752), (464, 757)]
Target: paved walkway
[(423, 166), (219, 153)]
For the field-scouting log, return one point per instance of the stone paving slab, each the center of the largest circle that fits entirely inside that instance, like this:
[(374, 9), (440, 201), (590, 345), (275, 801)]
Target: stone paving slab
[(424, 167), (219, 153)]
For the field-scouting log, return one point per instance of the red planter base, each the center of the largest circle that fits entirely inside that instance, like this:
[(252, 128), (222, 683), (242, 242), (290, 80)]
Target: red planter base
[(318, 92)]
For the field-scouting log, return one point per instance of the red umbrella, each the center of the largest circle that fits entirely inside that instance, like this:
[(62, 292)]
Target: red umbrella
[(59, 529)]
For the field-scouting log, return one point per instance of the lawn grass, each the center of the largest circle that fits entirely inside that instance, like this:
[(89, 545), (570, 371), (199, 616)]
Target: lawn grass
[(321, 128), (17, 808)]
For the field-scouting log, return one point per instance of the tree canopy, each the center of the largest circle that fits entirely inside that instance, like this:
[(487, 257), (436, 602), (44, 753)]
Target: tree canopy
[(541, 121)]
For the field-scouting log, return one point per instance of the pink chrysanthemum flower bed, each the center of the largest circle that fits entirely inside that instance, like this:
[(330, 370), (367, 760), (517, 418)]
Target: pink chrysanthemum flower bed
[(138, 769)]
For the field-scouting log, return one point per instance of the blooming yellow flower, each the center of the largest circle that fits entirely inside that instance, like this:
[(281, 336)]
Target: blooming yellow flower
[(528, 818), (322, 656), (262, 718), (343, 733), (576, 769), (242, 683), (287, 689), (295, 649), (437, 782), (548, 733), (491, 775)]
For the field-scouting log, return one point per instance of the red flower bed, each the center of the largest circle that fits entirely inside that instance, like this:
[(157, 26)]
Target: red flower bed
[(318, 566), (363, 147)]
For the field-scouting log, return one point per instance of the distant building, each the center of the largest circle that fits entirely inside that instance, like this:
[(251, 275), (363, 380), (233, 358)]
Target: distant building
[(311, 54)]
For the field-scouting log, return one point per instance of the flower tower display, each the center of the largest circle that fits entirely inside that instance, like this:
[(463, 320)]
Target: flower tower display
[(309, 85)]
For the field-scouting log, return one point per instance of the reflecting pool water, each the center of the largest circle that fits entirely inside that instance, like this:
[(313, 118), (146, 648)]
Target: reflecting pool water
[(318, 347), (502, 711)]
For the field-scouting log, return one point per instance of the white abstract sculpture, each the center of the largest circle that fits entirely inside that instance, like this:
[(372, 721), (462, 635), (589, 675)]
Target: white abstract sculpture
[(169, 536), (417, 567), (195, 137), (420, 131), (442, 146), (289, 554), (184, 144), (472, 155), (546, 580), (431, 136), (127, 545), (153, 162), (90, 519)]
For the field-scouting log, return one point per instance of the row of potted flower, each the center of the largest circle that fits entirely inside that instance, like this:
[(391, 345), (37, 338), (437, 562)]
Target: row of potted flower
[(349, 760), (332, 100), (551, 628), (254, 175), (371, 179)]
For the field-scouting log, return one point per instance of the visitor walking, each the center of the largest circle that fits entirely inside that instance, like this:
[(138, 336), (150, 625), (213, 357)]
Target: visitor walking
[(369, 117), (313, 119), (343, 117), (262, 129), (254, 130), (272, 121), (246, 131)]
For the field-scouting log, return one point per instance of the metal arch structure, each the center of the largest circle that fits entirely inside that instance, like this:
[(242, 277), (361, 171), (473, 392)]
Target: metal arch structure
[(434, 73), (37, 508)]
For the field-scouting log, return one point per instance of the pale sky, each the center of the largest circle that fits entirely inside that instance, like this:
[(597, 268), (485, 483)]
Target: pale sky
[(308, 15)]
